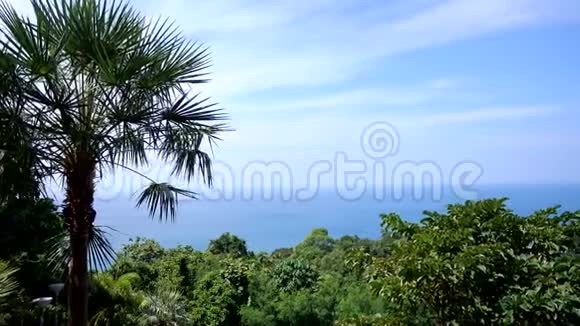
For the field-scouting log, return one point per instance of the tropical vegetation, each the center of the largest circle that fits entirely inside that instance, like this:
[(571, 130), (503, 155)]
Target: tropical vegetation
[(478, 263), (88, 87)]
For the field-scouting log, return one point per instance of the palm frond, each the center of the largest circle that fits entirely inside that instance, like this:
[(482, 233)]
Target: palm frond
[(21, 164), (8, 284), (174, 60), (100, 250), (31, 44), (192, 111), (189, 161), (164, 307), (119, 287), (93, 29), (127, 281), (129, 147), (161, 199)]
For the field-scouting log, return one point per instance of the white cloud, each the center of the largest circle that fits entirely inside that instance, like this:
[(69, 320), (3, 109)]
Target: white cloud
[(455, 20), (336, 129), (474, 116), (262, 45), (316, 55), (315, 44), (385, 97)]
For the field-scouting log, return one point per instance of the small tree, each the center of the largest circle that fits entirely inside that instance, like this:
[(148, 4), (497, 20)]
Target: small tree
[(164, 307), (315, 245), (228, 244)]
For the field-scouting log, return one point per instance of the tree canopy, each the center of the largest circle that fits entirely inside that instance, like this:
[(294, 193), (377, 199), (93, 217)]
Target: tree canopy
[(228, 244), (478, 263)]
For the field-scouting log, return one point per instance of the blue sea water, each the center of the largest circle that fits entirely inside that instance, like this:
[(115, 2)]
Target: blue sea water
[(270, 224)]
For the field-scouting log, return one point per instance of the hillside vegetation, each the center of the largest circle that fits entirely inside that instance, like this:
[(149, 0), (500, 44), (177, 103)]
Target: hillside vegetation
[(478, 263)]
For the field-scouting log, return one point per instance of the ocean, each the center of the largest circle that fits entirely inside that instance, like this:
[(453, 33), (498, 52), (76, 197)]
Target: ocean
[(276, 223)]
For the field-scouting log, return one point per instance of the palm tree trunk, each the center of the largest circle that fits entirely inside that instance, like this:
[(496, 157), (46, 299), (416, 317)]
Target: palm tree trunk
[(79, 215), (78, 278)]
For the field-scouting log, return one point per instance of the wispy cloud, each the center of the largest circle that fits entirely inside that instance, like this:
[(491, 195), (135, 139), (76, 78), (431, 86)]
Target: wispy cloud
[(270, 45), (308, 72), (383, 97), (338, 128), (261, 45), (482, 115)]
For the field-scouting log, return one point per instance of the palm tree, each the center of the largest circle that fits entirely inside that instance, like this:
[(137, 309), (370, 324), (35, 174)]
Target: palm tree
[(164, 307), (88, 87)]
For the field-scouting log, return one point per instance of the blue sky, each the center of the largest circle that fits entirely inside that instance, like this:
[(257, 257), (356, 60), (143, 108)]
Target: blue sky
[(494, 82)]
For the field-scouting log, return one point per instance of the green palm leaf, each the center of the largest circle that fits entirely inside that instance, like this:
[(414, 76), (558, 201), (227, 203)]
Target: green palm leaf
[(8, 284), (164, 307), (161, 199), (100, 251)]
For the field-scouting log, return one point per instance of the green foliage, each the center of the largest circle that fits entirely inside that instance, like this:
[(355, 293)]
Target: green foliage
[(480, 264), (291, 275), (8, 283), (228, 244), (358, 300), (315, 245), (115, 301), (263, 292), (304, 307), (178, 268), (219, 295), (552, 298), (235, 273), (257, 316), (92, 86), (26, 224), (8, 287), (365, 320), (477, 263), (258, 289), (215, 302), (282, 253), (164, 307), (139, 256), (143, 250)]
